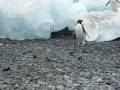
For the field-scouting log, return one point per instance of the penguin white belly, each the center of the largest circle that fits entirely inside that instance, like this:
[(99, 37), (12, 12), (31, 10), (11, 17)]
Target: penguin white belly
[(80, 35)]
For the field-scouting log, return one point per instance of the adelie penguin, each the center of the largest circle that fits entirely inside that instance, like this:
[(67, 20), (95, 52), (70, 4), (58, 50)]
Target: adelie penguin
[(114, 4), (80, 33)]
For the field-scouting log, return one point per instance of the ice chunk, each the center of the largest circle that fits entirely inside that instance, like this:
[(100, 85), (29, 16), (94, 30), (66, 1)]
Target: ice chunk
[(95, 5), (102, 26), (28, 19)]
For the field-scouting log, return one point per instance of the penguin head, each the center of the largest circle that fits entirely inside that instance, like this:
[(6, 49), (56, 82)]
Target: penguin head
[(79, 21)]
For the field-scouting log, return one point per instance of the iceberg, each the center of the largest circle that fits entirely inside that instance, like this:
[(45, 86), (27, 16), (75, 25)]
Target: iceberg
[(102, 26), (95, 5), (30, 19)]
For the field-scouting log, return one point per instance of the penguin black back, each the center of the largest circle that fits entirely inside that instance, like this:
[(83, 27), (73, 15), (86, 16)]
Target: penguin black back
[(80, 22)]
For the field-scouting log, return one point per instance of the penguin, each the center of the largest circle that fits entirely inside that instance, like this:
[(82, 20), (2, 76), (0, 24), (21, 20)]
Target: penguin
[(113, 4), (80, 33)]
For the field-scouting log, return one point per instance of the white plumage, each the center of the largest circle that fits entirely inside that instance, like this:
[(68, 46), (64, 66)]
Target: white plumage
[(80, 35)]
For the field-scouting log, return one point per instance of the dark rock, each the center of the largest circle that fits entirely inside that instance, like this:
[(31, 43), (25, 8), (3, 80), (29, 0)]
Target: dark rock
[(6, 69), (34, 56), (80, 58), (48, 59), (71, 53), (109, 83)]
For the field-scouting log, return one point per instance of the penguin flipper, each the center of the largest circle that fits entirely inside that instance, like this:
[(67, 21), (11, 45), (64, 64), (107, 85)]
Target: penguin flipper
[(84, 30)]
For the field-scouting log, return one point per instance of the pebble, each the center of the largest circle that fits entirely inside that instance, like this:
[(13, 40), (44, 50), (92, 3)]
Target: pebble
[(60, 87), (34, 56), (16, 85), (71, 53), (48, 50), (97, 79)]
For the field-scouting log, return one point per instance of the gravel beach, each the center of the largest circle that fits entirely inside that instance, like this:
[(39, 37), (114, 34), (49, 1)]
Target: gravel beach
[(59, 64)]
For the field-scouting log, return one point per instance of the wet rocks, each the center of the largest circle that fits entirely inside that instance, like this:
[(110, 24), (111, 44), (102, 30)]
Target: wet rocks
[(58, 64)]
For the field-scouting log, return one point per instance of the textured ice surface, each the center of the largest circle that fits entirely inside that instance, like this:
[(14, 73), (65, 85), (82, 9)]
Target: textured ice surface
[(95, 4), (102, 26), (29, 19)]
